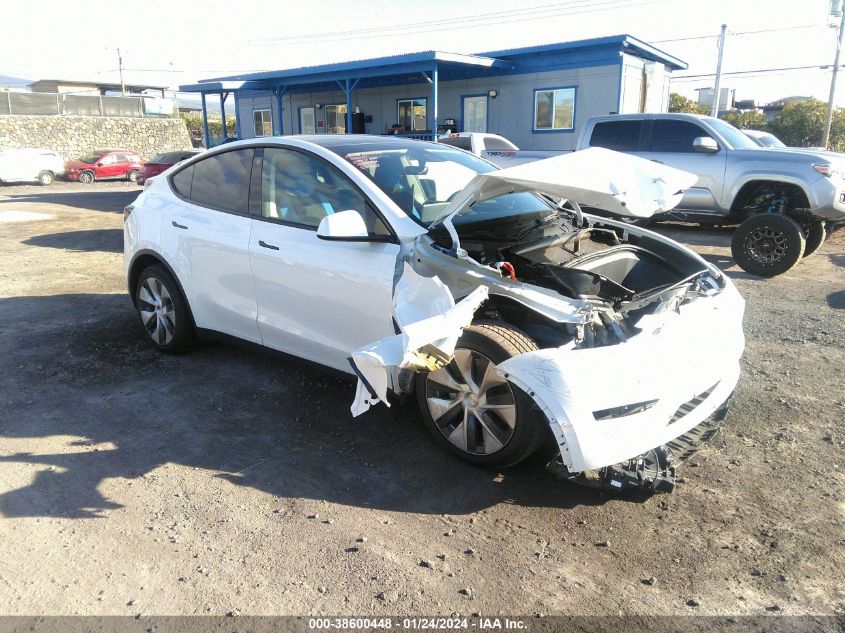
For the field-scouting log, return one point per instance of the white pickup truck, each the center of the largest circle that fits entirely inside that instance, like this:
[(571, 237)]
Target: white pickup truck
[(30, 165), (786, 201)]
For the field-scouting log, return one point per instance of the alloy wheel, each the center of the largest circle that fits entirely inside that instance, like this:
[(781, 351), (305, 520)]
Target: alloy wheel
[(766, 244), (157, 312), (471, 404)]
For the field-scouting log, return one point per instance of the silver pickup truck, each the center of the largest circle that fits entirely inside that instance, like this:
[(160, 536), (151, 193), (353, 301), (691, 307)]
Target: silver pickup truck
[(786, 201)]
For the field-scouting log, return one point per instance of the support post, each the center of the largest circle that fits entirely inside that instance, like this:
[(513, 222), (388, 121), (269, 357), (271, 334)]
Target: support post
[(828, 117), (348, 108), (237, 117), (223, 96), (280, 93), (714, 110), (207, 139), (434, 96)]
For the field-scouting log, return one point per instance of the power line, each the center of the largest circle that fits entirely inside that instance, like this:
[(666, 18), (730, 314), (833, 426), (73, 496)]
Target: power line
[(710, 37), (755, 72), (573, 7)]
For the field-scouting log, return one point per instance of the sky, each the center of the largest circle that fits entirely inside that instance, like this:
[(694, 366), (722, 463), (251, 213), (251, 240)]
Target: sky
[(782, 42)]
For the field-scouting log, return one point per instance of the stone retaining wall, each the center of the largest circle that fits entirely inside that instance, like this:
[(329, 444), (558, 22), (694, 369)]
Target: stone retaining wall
[(73, 136)]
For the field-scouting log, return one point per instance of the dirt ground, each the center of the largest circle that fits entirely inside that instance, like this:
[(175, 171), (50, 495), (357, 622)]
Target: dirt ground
[(230, 480)]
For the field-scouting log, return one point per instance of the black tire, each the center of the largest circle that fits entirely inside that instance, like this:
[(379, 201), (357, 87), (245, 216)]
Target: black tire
[(815, 234), (174, 311), (132, 176), (768, 244), (46, 178), (87, 177), (496, 342)]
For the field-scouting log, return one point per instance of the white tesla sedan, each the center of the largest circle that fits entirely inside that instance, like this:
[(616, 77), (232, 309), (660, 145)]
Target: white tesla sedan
[(516, 320)]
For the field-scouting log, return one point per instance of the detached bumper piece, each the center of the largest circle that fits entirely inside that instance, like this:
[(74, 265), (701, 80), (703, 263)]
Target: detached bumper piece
[(654, 470)]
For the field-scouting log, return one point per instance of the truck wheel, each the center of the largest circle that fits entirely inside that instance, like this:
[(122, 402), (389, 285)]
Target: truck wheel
[(815, 233), (45, 178), (474, 412), (768, 244)]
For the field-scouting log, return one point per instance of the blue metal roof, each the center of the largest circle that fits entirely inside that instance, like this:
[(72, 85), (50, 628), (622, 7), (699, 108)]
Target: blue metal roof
[(395, 68)]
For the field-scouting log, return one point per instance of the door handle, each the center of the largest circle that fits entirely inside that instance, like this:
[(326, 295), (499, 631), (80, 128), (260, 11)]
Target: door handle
[(178, 226), (264, 244)]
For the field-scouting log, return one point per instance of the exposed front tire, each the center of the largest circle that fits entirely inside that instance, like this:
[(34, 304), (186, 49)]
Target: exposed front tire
[(815, 234), (163, 310), (768, 244), (132, 176), (46, 178), (474, 412), (86, 177)]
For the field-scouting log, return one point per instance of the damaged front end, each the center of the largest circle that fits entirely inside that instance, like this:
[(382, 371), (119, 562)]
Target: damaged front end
[(639, 337)]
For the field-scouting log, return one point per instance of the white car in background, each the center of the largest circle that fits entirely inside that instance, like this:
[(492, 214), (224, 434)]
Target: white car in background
[(30, 165), (515, 321)]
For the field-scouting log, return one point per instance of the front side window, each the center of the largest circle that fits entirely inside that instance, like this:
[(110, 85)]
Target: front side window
[(302, 189), (411, 114), (554, 109), (263, 122), (674, 136), (221, 181), (336, 119), (621, 136)]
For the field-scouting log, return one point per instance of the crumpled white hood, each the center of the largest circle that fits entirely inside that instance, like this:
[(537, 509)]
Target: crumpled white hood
[(595, 177)]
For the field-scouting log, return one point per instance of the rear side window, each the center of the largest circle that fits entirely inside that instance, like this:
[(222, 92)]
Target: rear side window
[(622, 136), (182, 182), (222, 181), (674, 136)]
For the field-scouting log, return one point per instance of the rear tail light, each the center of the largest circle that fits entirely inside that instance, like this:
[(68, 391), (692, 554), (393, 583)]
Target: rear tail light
[(127, 211)]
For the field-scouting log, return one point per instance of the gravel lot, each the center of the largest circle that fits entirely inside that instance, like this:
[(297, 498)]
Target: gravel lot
[(230, 480)]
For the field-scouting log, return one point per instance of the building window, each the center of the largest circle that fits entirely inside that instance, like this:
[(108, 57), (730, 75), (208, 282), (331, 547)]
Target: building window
[(263, 122), (554, 109), (411, 114), (336, 119)]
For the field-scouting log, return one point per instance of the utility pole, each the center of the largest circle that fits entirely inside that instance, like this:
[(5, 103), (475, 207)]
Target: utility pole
[(120, 69), (828, 118), (714, 110)]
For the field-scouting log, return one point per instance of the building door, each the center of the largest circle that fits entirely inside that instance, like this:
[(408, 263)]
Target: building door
[(306, 121), (475, 114)]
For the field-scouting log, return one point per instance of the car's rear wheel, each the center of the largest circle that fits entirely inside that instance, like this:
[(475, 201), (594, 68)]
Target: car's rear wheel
[(45, 178), (768, 244), (815, 234), (132, 176), (474, 412), (163, 310), (86, 177)]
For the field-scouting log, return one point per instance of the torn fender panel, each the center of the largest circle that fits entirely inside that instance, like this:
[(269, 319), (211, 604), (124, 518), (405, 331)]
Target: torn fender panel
[(642, 388), (595, 177), (430, 324)]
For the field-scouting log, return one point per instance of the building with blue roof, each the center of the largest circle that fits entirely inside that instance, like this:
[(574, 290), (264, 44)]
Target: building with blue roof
[(538, 97)]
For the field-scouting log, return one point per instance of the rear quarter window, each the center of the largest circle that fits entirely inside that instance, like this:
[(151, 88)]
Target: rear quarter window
[(221, 181), (181, 181), (621, 136)]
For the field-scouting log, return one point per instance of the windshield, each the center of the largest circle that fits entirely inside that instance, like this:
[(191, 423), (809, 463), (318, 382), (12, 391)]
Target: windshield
[(422, 178), (770, 140), (90, 159), (737, 139)]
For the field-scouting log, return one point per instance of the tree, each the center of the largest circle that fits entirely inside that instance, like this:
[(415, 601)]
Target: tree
[(746, 120), (801, 124), (679, 103)]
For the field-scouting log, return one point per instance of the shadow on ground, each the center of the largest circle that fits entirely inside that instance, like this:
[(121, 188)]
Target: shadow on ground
[(79, 368), (103, 240), (106, 200)]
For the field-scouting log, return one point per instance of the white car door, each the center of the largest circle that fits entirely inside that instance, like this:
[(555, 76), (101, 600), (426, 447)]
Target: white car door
[(205, 236), (318, 299)]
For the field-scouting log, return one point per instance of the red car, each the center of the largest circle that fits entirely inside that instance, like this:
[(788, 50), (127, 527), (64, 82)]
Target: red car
[(104, 164), (161, 162)]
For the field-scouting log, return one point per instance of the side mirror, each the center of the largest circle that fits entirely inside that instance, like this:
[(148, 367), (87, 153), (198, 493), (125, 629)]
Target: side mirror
[(705, 144), (343, 226)]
